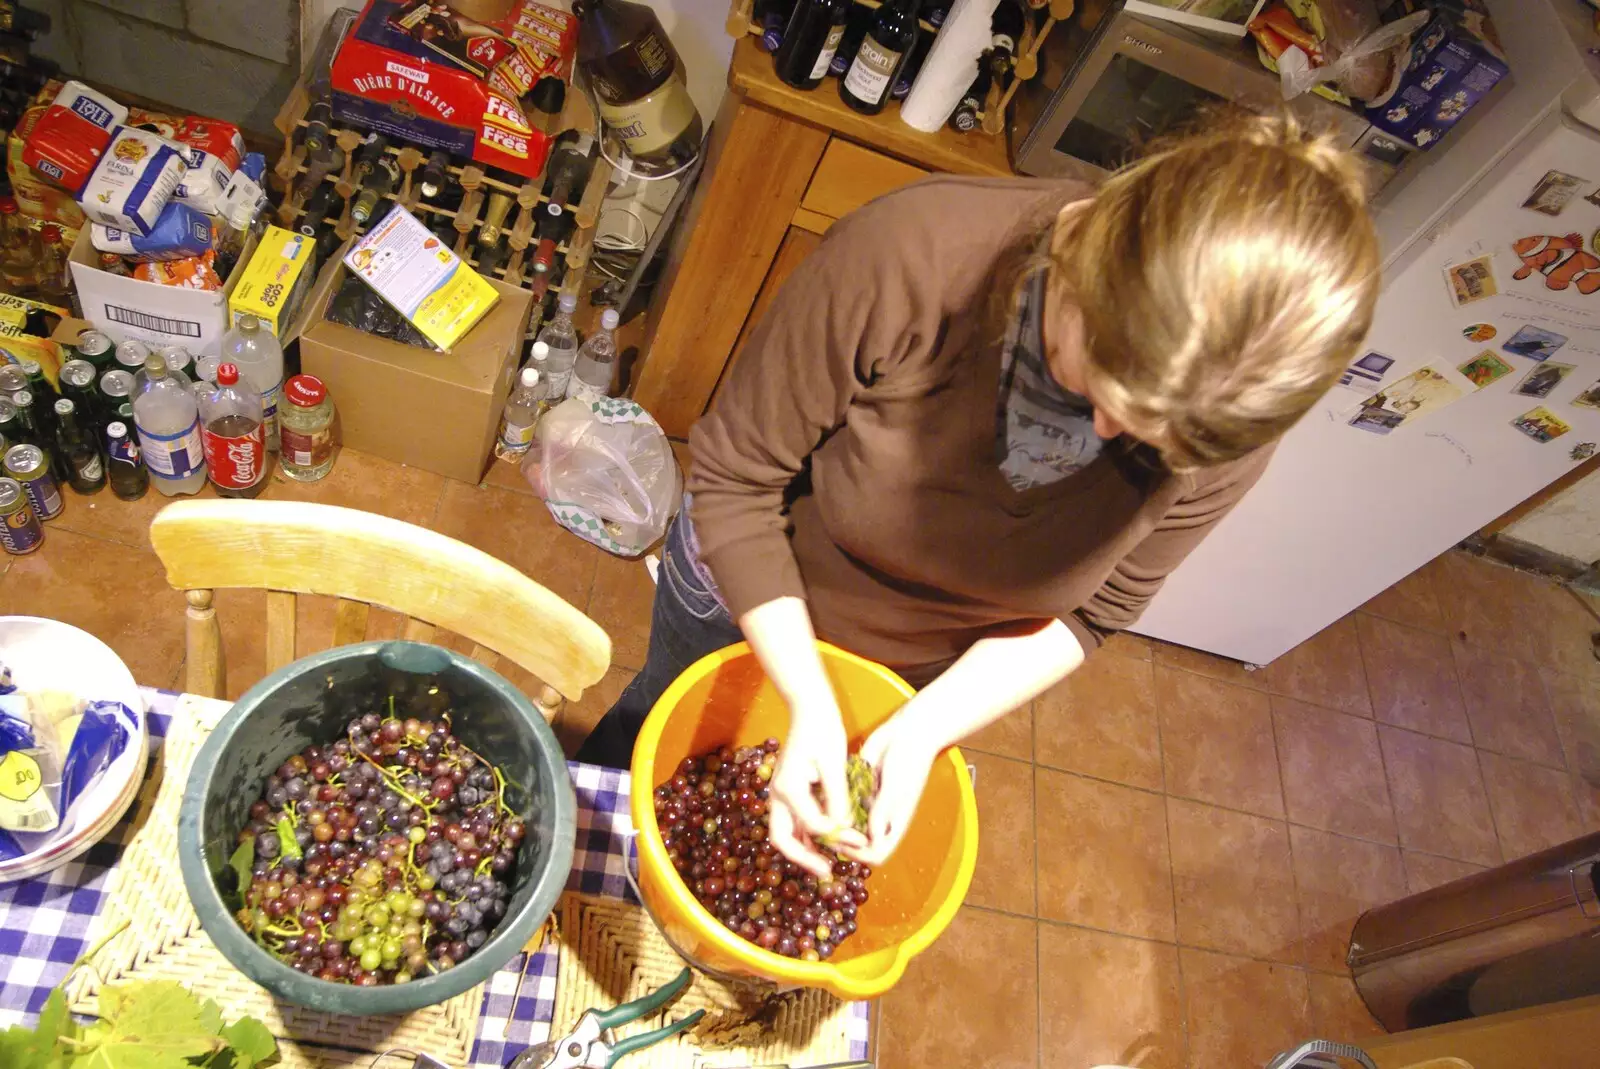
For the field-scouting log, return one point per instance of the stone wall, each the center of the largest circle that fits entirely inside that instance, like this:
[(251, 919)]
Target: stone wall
[(230, 59)]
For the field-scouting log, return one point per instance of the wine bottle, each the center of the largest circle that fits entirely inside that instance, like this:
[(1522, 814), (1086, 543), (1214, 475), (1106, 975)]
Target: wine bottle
[(881, 57), (919, 51), (638, 77), (965, 117), (773, 17), (856, 25), (810, 41)]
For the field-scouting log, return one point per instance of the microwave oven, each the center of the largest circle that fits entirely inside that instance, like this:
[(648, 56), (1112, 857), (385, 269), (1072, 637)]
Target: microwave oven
[(1103, 91)]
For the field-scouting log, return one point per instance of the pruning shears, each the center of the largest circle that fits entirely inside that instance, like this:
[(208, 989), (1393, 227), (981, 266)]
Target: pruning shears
[(586, 1047)]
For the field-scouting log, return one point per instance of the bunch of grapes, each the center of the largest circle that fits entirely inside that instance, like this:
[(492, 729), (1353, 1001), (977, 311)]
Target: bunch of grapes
[(380, 858), (713, 819)]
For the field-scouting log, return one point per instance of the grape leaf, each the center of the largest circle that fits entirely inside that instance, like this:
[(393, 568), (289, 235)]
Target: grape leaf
[(38, 1049), (153, 1025), (288, 845), (251, 1042), (242, 861), (211, 1017)]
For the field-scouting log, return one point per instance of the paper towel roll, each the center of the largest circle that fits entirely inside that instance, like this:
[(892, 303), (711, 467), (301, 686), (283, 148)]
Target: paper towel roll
[(951, 65)]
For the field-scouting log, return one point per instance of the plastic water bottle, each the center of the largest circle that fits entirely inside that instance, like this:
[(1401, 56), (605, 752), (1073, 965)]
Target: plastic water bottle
[(528, 401), (561, 338), (255, 351), (168, 421), (233, 436), (591, 376)]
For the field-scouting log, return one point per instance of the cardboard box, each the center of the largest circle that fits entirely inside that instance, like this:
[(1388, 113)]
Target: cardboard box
[(1454, 61), (157, 315), (416, 87), (432, 410), (51, 352)]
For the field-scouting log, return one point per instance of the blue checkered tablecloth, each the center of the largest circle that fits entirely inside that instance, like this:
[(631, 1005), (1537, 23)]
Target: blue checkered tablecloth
[(44, 922)]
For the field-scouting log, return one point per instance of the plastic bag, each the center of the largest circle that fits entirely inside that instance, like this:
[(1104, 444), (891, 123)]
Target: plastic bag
[(1361, 70), (606, 472), (66, 755)]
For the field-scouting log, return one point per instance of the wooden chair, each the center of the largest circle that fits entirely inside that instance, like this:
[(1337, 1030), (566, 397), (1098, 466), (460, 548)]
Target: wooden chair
[(289, 548)]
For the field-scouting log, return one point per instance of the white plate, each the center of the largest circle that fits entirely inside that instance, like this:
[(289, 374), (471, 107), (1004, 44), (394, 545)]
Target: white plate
[(50, 655)]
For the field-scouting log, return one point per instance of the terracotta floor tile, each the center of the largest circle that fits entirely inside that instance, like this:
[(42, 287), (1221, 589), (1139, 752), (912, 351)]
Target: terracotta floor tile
[(1412, 678), (1588, 796), (371, 484), (1216, 743), (1103, 859), (1209, 665), (1557, 628), (1507, 706), (1337, 880), (620, 601), (1533, 805), (1108, 999), (104, 515), (1128, 644), (1337, 1012), (1575, 706), (1233, 883), (1101, 721), (1325, 670), (1004, 878), (1479, 599), (1425, 871), (243, 617), (116, 593), (1241, 1012), (1410, 601), (970, 999), (518, 529), (1332, 771), (1010, 736), (575, 720), (1439, 801)]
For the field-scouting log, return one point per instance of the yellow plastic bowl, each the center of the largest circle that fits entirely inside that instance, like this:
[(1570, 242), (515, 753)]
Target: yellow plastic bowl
[(726, 699)]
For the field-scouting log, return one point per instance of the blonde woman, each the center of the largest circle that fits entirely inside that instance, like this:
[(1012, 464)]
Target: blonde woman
[(979, 426)]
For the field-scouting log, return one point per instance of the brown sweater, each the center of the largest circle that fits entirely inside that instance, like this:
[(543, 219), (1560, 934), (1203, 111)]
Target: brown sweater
[(876, 367)]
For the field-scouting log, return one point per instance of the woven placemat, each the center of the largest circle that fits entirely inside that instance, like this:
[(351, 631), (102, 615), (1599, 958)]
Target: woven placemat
[(162, 939), (610, 952)]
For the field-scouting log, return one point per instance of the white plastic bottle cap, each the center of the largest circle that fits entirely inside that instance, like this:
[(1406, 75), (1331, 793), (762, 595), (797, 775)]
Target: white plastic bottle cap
[(609, 319), (530, 376), (568, 303), (541, 350)]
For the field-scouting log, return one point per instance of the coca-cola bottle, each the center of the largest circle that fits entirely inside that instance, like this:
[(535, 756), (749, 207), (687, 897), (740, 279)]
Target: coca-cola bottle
[(233, 436)]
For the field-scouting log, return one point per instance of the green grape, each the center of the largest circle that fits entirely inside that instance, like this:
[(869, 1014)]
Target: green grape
[(371, 958), (397, 901), (391, 948), (416, 908), (425, 882), (402, 977), (417, 834), (378, 915), (358, 945)]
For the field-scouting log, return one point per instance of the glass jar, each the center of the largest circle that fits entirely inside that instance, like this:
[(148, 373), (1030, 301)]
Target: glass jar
[(306, 429)]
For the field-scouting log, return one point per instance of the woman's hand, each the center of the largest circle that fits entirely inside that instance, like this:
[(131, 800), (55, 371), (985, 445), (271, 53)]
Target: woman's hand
[(902, 756), (811, 763)]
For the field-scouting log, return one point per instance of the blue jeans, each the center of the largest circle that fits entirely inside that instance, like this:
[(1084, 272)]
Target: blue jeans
[(687, 621)]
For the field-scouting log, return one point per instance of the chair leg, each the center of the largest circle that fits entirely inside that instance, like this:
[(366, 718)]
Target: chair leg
[(548, 703), (203, 646)]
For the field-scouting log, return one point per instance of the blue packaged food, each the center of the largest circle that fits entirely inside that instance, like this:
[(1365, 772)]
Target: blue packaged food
[(181, 231)]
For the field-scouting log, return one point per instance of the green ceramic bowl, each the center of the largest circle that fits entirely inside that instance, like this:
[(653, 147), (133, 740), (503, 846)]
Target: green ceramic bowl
[(308, 703)]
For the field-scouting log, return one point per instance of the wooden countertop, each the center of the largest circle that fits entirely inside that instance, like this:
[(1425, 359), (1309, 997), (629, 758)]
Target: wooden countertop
[(752, 74)]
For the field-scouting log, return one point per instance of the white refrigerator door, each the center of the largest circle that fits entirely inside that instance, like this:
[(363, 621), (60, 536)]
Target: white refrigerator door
[(1342, 513)]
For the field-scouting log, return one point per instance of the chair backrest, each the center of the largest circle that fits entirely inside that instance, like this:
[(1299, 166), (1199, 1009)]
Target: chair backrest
[(289, 548)]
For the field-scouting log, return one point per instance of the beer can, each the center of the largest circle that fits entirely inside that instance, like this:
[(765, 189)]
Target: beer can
[(95, 347), (115, 388), (131, 354), (178, 360), (28, 465), (20, 529), (12, 379)]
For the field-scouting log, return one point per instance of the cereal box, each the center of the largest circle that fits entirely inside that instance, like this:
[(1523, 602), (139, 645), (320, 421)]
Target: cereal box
[(277, 276), (1454, 60), (414, 271)]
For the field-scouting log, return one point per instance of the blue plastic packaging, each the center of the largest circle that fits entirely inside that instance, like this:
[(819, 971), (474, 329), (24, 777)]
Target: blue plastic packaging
[(180, 232)]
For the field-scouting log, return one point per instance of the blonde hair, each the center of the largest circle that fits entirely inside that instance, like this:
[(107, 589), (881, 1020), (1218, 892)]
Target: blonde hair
[(1225, 280)]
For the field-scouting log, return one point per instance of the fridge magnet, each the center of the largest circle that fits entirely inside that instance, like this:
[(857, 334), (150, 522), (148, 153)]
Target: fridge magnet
[(1405, 400), (1542, 379), (1479, 332), (1371, 367), (1471, 281), (1593, 198), (1535, 343), (1582, 451), (1553, 192), (1540, 424), (1561, 260), (1485, 368), (1589, 398)]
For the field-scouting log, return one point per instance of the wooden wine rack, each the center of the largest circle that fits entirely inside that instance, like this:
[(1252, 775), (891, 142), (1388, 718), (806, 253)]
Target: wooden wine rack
[(741, 21), (477, 186)]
